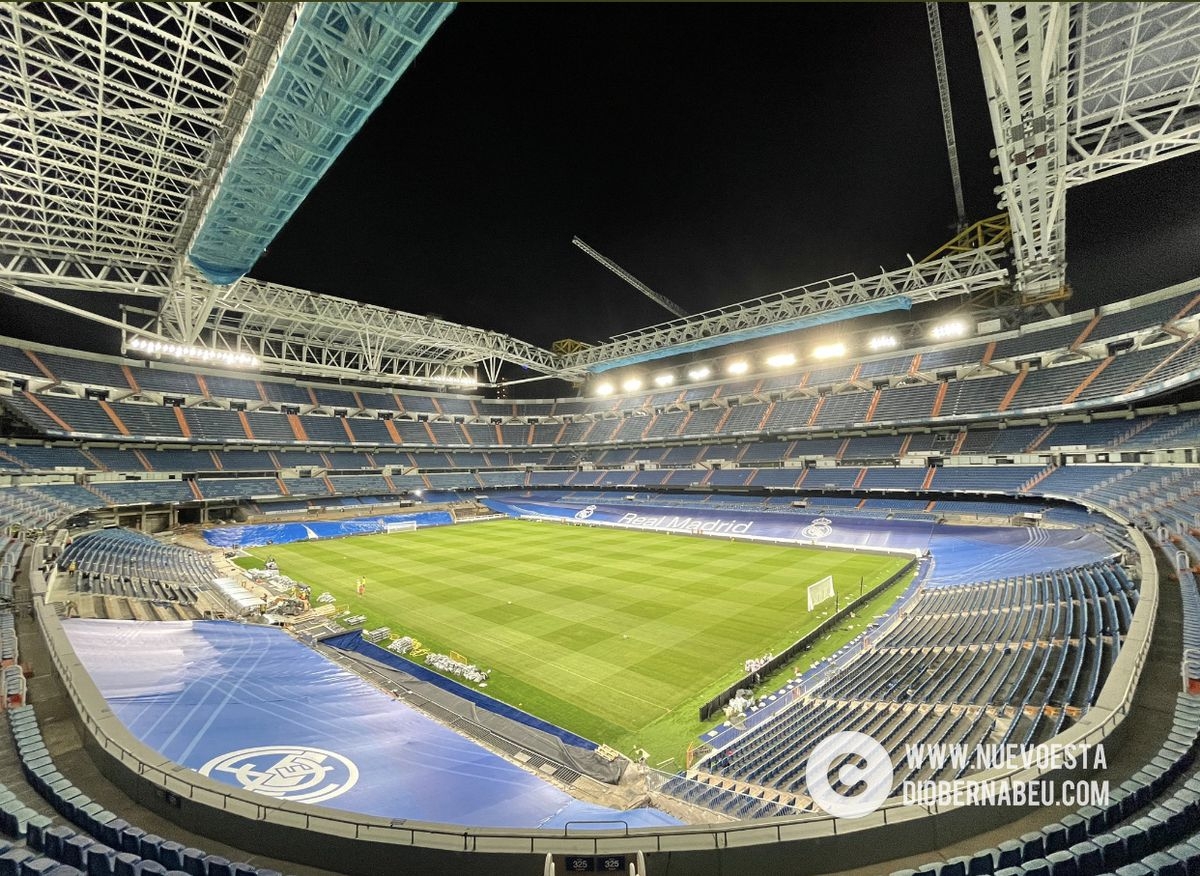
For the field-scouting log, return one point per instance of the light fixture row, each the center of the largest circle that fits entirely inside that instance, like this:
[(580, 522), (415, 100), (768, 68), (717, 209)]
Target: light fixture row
[(191, 353), (880, 343)]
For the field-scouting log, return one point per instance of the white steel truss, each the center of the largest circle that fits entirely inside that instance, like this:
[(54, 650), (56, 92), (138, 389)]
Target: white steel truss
[(323, 334), (1135, 87), (1079, 92), (958, 274), (114, 122), (117, 120), (1023, 52)]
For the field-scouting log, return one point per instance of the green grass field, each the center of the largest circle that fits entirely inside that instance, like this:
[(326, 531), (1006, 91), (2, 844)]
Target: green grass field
[(616, 635)]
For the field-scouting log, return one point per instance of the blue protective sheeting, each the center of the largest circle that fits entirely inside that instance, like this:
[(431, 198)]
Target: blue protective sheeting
[(979, 553), (964, 553), (353, 641), (254, 708), (258, 534), (337, 65)]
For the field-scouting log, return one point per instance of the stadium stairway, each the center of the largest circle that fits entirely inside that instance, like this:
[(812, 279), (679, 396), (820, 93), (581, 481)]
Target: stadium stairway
[(63, 746), (1152, 774)]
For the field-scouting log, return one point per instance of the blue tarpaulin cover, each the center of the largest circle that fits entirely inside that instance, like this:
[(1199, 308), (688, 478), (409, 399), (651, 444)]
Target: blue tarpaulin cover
[(963, 553), (254, 708), (258, 534)]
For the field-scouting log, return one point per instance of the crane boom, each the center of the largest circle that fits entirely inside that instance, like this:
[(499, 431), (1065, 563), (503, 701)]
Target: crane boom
[(939, 64), (661, 300)]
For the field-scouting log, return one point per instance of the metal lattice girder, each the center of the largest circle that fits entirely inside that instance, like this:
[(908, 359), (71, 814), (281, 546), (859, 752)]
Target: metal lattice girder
[(837, 298), (323, 334), (109, 118), (1023, 52), (1135, 86), (338, 64), (75, 273)]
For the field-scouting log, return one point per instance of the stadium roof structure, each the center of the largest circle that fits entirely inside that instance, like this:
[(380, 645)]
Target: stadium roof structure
[(154, 150)]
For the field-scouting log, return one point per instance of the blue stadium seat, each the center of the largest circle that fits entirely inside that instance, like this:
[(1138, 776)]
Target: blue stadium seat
[(1165, 864), (1089, 859), (1062, 863), (170, 855), (53, 840), (100, 860), (215, 865), (1036, 867), (131, 840), (983, 863), (193, 862), (35, 832), (74, 850), (1055, 837), (124, 863), (10, 861), (150, 846), (37, 866)]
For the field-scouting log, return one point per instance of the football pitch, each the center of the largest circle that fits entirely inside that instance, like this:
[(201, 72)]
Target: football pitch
[(616, 635)]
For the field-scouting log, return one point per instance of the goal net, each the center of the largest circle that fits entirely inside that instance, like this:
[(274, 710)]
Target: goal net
[(819, 592), (403, 526)]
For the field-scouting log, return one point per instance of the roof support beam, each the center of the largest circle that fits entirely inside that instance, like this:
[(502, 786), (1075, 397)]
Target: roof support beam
[(1023, 52)]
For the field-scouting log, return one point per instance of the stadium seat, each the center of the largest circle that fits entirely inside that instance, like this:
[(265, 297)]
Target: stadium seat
[(1165, 864), (1062, 863), (131, 840), (170, 855), (1033, 846), (150, 847), (1089, 859), (1055, 837), (983, 863), (215, 865), (53, 840), (11, 861), (1036, 867), (35, 832), (100, 860), (193, 862), (38, 866), (74, 850), (124, 863)]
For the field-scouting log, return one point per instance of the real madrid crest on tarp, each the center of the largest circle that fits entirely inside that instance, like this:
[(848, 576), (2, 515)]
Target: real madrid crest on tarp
[(287, 772), (819, 528)]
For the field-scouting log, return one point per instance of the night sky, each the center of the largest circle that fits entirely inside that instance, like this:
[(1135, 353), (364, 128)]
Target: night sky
[(716, 152)]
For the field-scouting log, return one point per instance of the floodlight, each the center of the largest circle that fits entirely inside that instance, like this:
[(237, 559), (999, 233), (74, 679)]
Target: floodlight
[(883, 342), (195, 354), (781, 360), (604, 389), (664, 380), (633, 384), (700, 373), (739, 367), (830, 351), (954, 329)]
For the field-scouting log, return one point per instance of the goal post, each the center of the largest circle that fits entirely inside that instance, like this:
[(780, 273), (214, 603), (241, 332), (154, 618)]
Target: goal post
[(820, 591), (402, 526)]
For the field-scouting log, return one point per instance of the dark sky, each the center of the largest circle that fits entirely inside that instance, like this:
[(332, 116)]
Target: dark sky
[(717, 152)]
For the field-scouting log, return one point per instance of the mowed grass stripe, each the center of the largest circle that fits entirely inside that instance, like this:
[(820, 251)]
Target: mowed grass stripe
[(602, 631)]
